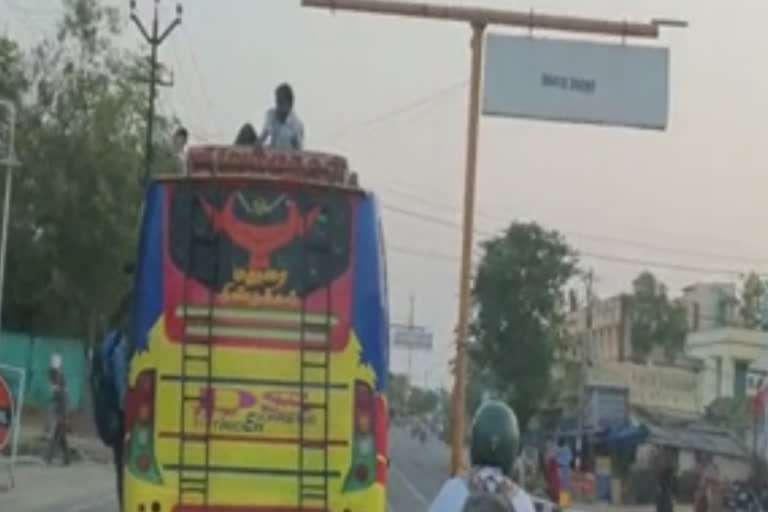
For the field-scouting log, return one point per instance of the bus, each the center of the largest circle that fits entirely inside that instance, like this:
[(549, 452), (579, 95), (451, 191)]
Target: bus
[(259, 339)]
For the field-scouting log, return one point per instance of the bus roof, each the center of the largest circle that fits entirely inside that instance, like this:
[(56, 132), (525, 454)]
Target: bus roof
[(212, 161)]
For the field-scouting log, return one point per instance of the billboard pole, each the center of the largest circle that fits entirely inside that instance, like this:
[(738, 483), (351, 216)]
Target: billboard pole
[(479, 18)]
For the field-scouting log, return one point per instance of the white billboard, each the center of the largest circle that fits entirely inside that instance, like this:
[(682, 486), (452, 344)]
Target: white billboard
[(411, 337), (576, 81)]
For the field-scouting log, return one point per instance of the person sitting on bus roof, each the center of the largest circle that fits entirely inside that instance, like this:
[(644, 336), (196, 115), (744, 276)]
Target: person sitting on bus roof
[(282, 127), (247, 136)]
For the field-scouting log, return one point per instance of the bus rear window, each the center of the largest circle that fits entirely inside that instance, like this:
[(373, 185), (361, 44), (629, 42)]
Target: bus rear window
[(301, 235)]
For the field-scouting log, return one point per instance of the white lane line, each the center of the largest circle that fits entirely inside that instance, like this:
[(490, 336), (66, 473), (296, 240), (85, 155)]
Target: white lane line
[(408, 485), (90, 505)]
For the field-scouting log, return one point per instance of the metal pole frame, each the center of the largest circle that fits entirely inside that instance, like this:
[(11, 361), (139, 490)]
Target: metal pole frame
[(16, 411), (479, 18)]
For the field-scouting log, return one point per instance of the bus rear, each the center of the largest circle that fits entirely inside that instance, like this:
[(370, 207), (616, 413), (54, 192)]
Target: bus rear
[(260, 366)]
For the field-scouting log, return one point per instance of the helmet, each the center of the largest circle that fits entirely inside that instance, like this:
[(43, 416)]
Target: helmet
[(495, 436)]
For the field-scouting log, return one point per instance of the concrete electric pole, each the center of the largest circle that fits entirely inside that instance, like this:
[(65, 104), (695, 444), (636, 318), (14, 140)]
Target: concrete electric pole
[(155, 39)]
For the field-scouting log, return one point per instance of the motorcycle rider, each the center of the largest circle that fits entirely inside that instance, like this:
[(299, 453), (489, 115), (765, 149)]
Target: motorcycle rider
[(494, 444)]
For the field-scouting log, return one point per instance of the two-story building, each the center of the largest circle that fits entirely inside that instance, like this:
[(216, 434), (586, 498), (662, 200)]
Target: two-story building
[(609, 337), (734, 359)]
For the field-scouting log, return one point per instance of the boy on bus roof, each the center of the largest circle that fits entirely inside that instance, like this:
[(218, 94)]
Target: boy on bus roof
[(282, 127)]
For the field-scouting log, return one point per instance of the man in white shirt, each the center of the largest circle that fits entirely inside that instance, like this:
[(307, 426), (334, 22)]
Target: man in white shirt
[(282, 127), (494, 445)]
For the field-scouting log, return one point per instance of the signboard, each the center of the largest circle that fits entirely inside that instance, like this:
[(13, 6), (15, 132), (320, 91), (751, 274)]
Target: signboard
[(664, 388), (412, 337), (6, 413), (609, 407), (576, 81)]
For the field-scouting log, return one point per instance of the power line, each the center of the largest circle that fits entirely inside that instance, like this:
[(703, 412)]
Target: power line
[(590, 254), (597, 237), (389, 114)]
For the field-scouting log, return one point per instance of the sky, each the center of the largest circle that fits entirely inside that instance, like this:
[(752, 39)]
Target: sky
[(390, 94)]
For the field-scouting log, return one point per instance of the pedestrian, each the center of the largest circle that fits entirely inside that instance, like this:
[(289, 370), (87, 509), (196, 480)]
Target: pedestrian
[(109, 380), (667, 482), (553, 474), (494, 442), (282, 127), (58, 387)]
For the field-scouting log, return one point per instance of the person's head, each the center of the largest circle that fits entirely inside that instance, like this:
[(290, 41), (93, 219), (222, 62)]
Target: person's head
[(283, 101), (495, 436), (56, 362), (247, 136), (180, 138)]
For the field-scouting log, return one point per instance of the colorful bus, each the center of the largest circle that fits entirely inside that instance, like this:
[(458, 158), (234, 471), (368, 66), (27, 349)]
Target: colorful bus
[(260, 340)]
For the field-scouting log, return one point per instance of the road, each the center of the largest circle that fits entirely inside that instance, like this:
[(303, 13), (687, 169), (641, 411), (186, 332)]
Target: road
[(417, 471)]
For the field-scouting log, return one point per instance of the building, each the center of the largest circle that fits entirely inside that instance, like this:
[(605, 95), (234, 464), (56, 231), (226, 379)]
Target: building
[(710, 305), (610, 333), (734, 359), (669, 390)]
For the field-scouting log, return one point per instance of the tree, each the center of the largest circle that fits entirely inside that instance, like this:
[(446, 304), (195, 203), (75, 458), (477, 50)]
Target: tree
[(397, 391), (656, 321), (519, 304), (76, 204), (752, 302), (422, 401)]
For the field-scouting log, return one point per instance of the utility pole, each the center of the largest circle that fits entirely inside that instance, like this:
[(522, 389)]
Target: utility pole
[(8, 158), (411, 313), (586, 345), (478, 19), (155, 39)]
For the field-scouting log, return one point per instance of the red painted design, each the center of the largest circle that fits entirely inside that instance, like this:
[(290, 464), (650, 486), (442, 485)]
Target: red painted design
[(259, 241), (197, 293)]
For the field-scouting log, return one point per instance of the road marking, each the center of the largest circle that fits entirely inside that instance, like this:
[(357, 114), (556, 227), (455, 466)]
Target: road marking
[(417, 493), (90, 505)]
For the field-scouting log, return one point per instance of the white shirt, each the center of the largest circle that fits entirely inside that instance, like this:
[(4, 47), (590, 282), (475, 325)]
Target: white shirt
[(455, 492), (282, 135)]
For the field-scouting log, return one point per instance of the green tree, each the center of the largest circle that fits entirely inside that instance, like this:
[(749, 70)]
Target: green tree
[(13, 79), (77, 199), (656, 320), (422, 401), (519, 304), (751, 310), (397, 391)]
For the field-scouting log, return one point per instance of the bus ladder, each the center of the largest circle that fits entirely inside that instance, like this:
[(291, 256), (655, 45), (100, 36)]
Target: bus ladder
[(194, 477), (315, 359)]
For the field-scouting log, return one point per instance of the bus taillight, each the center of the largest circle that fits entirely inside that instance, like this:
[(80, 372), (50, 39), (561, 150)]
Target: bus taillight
[(363, 468), (140, 429), (363, 408)]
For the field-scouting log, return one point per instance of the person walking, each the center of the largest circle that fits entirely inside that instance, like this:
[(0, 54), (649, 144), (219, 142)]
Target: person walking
[(58, 387)]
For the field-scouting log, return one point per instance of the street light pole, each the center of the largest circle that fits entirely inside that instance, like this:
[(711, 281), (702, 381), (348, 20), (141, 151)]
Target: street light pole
[(479, 18), (10, 162)]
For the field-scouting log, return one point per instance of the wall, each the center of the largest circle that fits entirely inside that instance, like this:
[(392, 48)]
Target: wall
[(671, 389), (33, 353)]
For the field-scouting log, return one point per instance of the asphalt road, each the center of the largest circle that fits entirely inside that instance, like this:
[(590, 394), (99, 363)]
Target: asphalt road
[(417, 470)]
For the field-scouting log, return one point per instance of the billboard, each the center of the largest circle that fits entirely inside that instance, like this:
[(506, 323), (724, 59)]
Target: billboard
[(576, 81), (412, 337)]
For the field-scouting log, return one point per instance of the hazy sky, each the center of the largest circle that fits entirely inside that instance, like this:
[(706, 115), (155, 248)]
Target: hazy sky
[(390, 94)]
